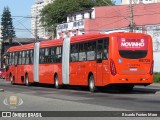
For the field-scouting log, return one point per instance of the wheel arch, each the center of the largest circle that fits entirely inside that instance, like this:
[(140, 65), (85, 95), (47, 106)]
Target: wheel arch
[(55, 74), (26, 73), (10, 74), (89, 74)]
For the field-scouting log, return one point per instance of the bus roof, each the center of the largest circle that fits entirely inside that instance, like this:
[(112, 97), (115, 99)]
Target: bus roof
[(51, 43), (21, 47), (84, 37), (77, 38), (99, 35), (31, 46)]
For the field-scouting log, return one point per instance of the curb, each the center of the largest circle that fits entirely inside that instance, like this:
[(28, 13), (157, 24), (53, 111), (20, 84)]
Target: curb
[(158, 92), (155, 85), (1, 90)]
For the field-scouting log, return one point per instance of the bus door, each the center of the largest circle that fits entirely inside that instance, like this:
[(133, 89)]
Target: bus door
[(74, 78), (12, 67), (20, 67), (16, 66), (102, 61), (83, 64)]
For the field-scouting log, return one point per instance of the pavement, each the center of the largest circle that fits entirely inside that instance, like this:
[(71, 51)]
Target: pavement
[(39, 98), (155, 84), (108, 97)]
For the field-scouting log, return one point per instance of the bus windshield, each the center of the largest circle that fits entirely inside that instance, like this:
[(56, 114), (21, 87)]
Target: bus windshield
[(132, 48)]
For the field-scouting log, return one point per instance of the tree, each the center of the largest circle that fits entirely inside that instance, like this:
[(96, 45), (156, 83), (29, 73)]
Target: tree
[(57, 11), (7, 26)]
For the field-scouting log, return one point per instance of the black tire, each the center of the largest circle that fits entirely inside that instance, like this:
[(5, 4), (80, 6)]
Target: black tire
[(56, 82), (27, 80), (91, 84), (11, 79), (125, 88)]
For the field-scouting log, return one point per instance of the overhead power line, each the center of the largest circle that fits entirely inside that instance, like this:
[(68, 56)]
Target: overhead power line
[(116, 10), (25, 27), (23, 16)]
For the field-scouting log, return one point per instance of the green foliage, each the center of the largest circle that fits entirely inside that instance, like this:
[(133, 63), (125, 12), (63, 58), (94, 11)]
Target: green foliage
[(157, 77), (57, 12), (7, 26)]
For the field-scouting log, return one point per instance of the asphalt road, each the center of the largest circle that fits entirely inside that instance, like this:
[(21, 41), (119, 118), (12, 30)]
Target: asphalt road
[(47, 98)]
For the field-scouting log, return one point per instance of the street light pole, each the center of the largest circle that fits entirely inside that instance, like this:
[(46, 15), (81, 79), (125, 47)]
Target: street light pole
[(0, 53), (131, 17), (36, 29)]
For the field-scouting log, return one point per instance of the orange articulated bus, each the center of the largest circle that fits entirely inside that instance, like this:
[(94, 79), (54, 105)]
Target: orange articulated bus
[(34, 62), (18, 59), (93, 60)]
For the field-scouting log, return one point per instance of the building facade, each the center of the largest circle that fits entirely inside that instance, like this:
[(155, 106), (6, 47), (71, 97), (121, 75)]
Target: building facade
[(0, 33), (75, 24), (123, 2), (35, 21), (105, 19)]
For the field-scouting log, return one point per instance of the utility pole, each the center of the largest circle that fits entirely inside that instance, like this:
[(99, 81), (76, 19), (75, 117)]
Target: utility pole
[(1, 44), (36, 29), (131, 17)]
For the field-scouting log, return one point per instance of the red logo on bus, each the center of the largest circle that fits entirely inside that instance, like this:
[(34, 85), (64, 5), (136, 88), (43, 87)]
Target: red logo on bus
[(132, 43)]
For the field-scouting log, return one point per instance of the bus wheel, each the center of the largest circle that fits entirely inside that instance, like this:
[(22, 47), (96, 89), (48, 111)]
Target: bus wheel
[(91, 84), (27, 80), (11, 79), (56, 82), (125, 88)]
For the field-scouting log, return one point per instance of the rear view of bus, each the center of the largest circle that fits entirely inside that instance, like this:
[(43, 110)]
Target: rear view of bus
[(131, 60)]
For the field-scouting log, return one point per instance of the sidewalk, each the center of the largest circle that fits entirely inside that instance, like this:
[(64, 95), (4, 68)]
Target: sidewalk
[(155, 85)]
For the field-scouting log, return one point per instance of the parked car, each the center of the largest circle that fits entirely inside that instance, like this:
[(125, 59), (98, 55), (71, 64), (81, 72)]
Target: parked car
[(2, 73)]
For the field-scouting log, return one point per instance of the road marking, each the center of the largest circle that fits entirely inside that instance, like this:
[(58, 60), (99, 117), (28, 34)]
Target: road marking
[(1, 90)]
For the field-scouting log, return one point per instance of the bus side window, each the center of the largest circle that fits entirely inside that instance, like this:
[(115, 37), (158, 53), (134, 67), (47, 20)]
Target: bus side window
[(27, 57), (20, 58), (42, 51), (23, 57), (40, 55), (58, 54), (49, 55), (16, 58), (74, 53), (91, 47), (99, 50), (9, 59), (53, 55), (31, 57), (106, 47), (46, 55), (12, 58), (82, 52)]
